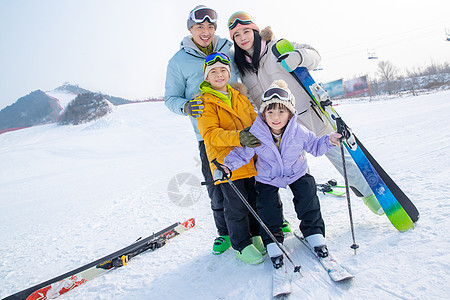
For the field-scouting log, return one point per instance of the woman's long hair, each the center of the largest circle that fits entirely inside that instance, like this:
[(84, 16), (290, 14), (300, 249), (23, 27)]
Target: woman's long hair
[(239, 56)]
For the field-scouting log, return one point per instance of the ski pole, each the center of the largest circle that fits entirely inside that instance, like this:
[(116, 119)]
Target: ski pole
[(344, 131), (260, 221)]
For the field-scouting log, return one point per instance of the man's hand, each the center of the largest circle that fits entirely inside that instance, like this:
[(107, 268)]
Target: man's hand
[(194, 107)]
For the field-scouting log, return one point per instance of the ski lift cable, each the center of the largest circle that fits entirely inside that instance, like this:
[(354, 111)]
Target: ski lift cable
[(386, 37), (323, 54)]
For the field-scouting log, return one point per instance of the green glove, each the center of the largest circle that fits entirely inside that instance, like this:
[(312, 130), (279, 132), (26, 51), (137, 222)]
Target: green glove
[(248, 139), (194, 107)]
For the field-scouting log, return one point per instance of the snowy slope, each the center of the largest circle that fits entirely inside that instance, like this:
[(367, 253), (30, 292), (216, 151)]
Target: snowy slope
[(72, 194)]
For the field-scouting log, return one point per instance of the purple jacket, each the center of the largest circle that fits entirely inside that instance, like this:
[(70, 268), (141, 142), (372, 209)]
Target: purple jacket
[(284, 166)]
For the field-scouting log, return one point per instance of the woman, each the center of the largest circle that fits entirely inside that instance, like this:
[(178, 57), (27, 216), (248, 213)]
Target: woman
[(258, 67)]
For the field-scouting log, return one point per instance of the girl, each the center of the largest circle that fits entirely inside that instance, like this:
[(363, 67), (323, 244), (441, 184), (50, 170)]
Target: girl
[(280, 163)]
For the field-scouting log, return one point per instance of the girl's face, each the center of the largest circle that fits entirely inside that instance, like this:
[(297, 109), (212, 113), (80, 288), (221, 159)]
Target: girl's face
[(218, 78), (244, 38), (277, 118)]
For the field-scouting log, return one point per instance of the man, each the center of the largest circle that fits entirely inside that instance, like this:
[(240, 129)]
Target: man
[(183, 77)]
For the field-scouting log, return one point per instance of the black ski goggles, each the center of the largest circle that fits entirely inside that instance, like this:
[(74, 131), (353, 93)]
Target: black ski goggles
[(276, 92), (201, 14)]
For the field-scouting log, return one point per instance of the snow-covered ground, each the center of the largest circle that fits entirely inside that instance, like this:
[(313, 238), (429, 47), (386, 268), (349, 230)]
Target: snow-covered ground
[(72, 194)]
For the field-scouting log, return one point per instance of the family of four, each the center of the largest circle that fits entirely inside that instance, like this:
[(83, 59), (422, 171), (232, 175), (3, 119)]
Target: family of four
[(259, 130)]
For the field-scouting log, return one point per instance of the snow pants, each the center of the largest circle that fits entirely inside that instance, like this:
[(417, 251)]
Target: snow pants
[(214, 193), (306, 204), (242, 225)]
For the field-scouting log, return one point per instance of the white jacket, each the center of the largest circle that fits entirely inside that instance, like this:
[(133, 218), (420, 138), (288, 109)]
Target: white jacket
[(270, 70)]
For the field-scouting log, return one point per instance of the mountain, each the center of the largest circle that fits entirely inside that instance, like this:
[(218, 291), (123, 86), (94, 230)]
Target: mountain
[(33, 109), (40, 107)]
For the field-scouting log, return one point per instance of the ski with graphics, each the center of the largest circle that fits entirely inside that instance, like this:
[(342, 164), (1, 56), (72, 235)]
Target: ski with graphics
[(59, 285), (398, 207)]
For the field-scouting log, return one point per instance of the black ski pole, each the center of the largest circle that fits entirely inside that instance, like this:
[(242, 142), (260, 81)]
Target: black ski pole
[(266, 229), (344, 131)]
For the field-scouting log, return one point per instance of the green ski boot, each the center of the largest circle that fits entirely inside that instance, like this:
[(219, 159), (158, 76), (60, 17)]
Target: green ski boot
[(221, 244), (250, 255), (259, 245)]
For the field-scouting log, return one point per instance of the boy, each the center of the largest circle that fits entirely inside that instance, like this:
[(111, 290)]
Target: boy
[(281, 163), (227, 114)]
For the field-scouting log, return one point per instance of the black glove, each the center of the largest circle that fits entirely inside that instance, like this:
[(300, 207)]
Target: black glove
[(248, 139), (194, 107)]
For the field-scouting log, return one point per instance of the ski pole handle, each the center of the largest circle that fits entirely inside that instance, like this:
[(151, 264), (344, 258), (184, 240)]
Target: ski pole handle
[(221, 169)]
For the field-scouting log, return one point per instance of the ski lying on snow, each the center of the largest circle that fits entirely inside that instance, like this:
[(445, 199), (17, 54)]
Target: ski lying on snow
[(333, 268), (59, 285)]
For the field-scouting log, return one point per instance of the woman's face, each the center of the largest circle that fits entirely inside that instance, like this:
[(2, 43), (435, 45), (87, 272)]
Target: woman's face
[(244, 38)]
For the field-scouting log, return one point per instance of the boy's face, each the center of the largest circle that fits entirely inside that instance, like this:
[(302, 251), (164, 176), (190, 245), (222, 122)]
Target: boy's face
[(203, 33), (218, 78), (277, 118)]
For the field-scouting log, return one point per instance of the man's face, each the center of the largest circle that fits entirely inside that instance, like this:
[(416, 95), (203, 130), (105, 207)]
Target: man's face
[(203, 33)]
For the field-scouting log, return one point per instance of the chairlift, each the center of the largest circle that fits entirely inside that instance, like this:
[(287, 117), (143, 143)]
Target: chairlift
[(371, 54)]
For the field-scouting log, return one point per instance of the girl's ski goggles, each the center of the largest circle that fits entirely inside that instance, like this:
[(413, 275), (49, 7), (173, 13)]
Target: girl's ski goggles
[(276, 92), (217, 57), (199, 15), (239, 17)]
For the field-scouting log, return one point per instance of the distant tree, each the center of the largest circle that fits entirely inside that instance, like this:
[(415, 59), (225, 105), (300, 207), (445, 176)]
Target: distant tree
[(85, 108), (388, 73)]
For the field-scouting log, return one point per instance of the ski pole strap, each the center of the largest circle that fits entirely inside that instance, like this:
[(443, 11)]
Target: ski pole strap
[(342, 128), (220, 168)]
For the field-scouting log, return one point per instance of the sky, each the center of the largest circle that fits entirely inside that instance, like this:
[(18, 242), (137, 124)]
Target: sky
[(121, 47)]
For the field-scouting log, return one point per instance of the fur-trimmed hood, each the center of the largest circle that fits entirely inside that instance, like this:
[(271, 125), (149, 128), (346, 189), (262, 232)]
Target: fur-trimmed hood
[(266, 34)]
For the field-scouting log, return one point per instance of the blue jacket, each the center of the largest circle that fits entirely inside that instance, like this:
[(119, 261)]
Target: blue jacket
[(185, 73), (279, 167)]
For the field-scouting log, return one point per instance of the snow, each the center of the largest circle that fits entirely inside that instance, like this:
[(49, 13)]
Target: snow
[(72, 194)]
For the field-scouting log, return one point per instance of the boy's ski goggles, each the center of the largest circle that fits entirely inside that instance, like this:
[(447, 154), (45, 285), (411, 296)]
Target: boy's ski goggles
[(199, 15), (239, 17), (277, 92), (217, 57)]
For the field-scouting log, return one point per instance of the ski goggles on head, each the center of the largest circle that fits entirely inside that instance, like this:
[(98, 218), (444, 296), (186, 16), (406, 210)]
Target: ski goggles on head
[(217, 57), (239, 17), (276, 92), (201, 14)]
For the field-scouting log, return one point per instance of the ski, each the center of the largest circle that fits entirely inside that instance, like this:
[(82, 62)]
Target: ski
[(397, 206), (331, 266), (330, 188), (59, 285), (281, 283)]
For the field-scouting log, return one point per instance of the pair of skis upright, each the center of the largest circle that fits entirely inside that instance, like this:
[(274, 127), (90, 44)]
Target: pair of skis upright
[(397, 206)]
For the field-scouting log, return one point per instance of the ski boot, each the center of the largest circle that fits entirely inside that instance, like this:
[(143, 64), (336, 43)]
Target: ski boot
[(221, 244), (286, 227), (250, 255), (258, 243)]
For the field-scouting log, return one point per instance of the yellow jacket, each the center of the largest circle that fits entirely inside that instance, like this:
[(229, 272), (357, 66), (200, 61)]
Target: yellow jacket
[(220, 125)]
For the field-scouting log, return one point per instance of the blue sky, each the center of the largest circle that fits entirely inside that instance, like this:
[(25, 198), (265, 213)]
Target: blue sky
[(122, 47)]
